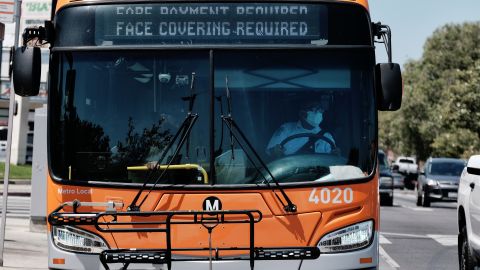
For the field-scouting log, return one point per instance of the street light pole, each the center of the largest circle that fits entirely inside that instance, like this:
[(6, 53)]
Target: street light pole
[(11, 108)]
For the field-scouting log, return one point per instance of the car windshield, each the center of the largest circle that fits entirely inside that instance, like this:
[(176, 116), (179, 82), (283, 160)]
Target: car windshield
[(309, 115), (447, 168)]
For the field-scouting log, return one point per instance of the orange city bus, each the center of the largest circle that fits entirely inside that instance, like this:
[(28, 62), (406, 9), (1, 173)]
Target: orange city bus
[(212, 135)]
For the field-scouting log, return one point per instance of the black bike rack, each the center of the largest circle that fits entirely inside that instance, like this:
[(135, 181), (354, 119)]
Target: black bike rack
[(109, 222)]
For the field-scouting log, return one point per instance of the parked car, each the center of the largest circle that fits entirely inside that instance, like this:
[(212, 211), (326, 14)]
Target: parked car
[(3, 143), (29, 153), (469, 215), (386, 180), (439, 180)]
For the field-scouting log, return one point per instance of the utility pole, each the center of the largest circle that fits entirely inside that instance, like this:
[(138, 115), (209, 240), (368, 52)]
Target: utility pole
[(2, 37), (11, 108)]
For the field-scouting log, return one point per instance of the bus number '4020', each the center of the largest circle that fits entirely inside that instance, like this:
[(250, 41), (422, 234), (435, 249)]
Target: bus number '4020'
[(335, 196)]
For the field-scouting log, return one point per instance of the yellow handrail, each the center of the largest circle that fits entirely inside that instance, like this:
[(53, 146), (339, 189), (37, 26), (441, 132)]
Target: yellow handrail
[(173, 167)]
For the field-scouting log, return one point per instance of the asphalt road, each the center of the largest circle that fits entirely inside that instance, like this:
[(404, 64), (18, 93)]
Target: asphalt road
[(418, 238)]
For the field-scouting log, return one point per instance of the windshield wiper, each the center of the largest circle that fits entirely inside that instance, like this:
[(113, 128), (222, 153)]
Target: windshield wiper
[(184, 130), (288, 205)]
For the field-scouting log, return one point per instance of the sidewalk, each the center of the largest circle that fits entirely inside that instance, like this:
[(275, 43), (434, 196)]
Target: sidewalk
[(24, 249)]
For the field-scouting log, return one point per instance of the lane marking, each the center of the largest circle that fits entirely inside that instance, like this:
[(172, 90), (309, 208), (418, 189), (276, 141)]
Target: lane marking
[(445, 240), (388, 259), (384, 241), (406, 235), (419, 209), (406, 195)]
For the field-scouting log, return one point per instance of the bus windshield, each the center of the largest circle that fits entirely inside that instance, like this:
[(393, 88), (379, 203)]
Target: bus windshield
[(308, 114)]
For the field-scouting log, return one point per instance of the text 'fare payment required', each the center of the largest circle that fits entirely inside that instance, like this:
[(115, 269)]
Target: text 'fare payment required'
[(195, 22)]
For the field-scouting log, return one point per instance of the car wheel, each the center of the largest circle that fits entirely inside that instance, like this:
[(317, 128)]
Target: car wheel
[(425, 199), (419, 195), (419, 200), (383, 200), (465, 258), (389, 201)]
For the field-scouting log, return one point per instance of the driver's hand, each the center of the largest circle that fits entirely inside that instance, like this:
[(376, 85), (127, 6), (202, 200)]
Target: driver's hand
[(277, 151)]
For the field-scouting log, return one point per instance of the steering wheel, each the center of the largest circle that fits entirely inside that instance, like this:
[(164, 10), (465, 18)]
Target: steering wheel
[(300, 168), (312, 139)]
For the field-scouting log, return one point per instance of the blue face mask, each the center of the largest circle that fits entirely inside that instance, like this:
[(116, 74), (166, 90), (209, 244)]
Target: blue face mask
[(314, 118)]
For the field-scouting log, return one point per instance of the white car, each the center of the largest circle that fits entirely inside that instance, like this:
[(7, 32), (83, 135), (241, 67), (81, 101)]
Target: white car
[(406, 165), (469, 215)]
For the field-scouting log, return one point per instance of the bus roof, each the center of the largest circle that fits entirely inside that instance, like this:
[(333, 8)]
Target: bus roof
[(62, 3)]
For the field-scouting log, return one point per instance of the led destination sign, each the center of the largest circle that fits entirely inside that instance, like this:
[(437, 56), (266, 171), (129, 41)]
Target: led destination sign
[(211, 23)]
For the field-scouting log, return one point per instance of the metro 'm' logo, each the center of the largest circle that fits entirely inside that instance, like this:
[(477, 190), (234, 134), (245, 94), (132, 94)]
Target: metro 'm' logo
[(212, 203)]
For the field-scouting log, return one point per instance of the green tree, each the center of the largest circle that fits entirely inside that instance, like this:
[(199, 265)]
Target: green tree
[(441, 103)]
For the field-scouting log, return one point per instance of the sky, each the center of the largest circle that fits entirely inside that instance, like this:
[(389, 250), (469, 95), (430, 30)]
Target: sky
[(413, 21)]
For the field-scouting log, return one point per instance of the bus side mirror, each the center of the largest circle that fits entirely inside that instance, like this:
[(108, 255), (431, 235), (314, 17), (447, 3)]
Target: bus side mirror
[(389, 86), (27, 63)]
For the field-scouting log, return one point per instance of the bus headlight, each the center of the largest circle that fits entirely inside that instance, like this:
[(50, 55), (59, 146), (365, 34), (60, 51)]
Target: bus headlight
[(77, 240), (348, 239)]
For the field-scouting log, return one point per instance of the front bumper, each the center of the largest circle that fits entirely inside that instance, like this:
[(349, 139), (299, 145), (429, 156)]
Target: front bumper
[(439, 193), (398, 184), (346, 260), (386, 192)]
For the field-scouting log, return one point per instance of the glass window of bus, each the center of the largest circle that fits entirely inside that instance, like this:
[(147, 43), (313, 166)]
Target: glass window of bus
[(115, 110), (270, 93)]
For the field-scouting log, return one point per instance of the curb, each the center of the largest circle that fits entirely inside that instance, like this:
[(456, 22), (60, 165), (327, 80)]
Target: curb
[(17, 181), (14, 191), (19, 193)]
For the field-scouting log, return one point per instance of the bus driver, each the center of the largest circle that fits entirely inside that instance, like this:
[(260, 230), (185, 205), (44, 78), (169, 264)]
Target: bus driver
[(304, 136)]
